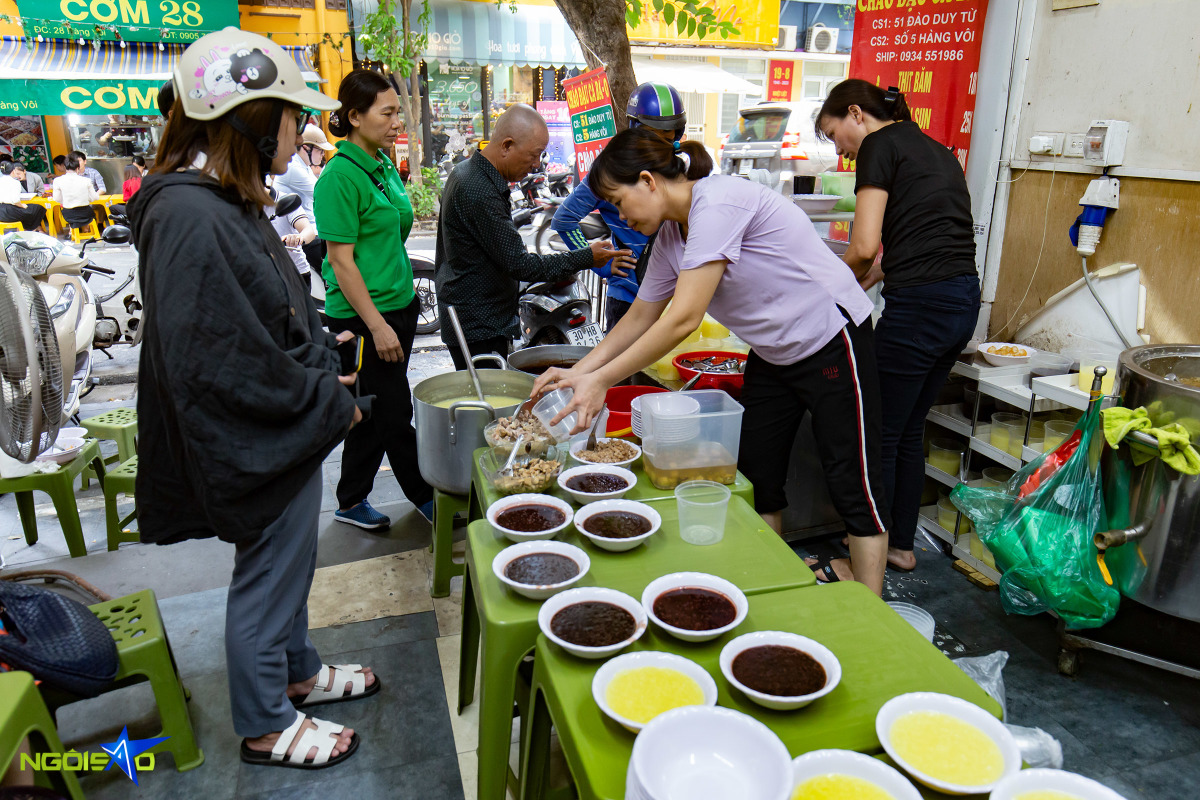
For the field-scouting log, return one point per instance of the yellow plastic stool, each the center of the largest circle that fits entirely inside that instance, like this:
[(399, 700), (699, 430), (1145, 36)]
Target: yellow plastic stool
[(10, 227), (79, 235), (23, 715)]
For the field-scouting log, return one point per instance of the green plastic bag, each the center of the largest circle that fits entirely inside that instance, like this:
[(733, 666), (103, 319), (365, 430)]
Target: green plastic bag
[(1040, 526)]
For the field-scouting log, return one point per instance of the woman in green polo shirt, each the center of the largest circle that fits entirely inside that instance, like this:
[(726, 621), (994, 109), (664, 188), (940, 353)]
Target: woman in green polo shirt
[(364, 214)]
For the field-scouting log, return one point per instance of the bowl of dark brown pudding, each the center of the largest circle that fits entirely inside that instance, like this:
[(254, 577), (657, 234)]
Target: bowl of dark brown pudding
[(538, 570), (617, 525), (529, 517), (592, 622), (780, 670), (593, 482), (694, 606)]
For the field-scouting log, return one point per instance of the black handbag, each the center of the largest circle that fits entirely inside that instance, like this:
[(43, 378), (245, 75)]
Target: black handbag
[(58, 640)]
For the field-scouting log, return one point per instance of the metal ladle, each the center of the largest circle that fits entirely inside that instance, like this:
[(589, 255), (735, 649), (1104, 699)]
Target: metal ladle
[(462, 344)]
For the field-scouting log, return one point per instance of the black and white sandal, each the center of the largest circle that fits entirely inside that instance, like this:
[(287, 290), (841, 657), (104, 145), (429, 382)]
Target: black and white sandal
[(323, 737)]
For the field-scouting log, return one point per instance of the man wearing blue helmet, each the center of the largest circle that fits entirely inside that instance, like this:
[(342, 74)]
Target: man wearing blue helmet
[(656, 106)]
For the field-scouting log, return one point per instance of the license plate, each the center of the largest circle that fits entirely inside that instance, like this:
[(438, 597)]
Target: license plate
[(586, 335), (745, 165)]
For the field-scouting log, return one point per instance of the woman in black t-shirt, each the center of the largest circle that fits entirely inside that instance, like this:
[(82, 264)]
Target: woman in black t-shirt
[(912, 198)]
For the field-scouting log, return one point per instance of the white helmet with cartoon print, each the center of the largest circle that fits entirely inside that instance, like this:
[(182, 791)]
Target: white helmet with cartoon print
[(226, 68)]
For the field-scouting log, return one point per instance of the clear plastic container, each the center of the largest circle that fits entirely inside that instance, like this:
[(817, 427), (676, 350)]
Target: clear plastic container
[(696, 440), (1056, 433), (946, 455), (980, 551), (547, 409), (1044, 364), (1008, 432), (702, 508), (947, 513), (1088, 361), (996, 477)]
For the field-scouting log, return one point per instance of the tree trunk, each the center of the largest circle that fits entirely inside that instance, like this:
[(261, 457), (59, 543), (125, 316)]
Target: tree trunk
[(600, 27), (410, 102)]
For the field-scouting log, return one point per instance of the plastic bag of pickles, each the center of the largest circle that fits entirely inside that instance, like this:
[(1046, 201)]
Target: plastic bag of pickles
[(1039, 527)]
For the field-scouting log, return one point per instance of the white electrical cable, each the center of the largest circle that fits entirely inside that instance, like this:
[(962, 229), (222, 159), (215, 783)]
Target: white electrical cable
[(1103, 307), (1041, 248)]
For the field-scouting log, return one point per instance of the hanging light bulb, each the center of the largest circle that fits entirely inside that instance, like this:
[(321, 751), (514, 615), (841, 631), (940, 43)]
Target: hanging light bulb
[(81, 41), (160, 47), (122, 44), (40, 39)]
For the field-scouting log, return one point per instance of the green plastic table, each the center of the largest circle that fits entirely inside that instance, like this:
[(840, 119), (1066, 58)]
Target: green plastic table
[(643, 492), (503, 625), (882, 656)]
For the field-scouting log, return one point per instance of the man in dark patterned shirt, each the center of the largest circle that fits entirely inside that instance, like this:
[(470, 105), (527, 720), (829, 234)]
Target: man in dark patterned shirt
[(480, 254)]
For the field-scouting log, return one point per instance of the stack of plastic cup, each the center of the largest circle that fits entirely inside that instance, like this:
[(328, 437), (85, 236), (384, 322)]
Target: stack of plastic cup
[(702, 507)]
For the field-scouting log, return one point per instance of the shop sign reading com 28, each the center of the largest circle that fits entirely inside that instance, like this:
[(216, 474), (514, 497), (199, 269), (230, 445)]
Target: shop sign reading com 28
[(128, 754), (177, 21)]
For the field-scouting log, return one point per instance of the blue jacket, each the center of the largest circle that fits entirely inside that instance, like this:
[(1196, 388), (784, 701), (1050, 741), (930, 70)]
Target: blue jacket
[(566, 223)]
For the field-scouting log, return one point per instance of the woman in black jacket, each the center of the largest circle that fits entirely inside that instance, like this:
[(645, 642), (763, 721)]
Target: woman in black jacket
[(239, 397)]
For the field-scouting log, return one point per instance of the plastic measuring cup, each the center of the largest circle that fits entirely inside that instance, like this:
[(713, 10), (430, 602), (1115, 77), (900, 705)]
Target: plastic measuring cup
[(996, 477), (702, 506), (946, 455), (1008, 432), (1057, 431)]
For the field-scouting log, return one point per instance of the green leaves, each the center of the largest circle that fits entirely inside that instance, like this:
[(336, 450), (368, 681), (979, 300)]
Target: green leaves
[(384, 39), (690, 17)]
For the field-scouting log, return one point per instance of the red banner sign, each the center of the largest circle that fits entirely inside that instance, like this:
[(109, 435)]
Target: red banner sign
[(592, 120), (929, 51), (779, 81)]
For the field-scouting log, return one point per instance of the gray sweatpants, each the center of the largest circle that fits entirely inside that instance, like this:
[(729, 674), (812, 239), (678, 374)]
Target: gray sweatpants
[(266, 616)]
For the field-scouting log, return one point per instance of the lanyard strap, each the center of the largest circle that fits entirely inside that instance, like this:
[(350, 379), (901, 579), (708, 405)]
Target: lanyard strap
[(370, 175)]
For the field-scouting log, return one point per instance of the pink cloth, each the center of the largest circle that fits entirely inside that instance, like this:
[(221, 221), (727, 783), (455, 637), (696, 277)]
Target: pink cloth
[(782, 287)]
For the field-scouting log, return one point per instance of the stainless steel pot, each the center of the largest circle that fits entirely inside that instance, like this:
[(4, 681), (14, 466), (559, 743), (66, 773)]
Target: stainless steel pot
[(1154, 550), (448, 437), (536, 360)]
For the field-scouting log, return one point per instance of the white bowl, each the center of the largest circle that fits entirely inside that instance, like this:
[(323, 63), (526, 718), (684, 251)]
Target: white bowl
[(648, 658), (587, 594), (72, 433), (833, 668), (1031, 780), (592, 497), (505, 503), (1005, 361), (856, 765), (916, 616), (576, 446), (617, 545), (711, 753), (63, 451), (679, 580), (816, 203), (955, 707), (509, 554)]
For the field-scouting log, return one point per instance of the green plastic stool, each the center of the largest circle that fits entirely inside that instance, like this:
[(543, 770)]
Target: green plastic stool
[(60, 486), (145, 654), (119, 481), (24, 714), (118, 425), (445, 506)]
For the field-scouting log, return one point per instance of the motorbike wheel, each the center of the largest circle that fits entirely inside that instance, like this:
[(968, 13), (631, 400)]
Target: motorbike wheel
[(549, 335), (426, 289), (547, 242)]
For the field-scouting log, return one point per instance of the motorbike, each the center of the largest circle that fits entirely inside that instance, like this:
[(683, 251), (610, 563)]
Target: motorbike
[(548, 241), (77, 313), (560, 184), (557, 312)]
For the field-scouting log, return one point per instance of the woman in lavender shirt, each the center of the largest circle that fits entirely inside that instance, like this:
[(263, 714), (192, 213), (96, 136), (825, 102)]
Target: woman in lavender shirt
[(753, 260)]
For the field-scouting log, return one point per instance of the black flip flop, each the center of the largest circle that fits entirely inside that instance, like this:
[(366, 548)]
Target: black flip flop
[(824, 571), (298, 701), (264, 759)]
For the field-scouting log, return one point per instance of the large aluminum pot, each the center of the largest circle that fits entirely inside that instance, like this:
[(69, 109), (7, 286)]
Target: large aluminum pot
[(1154, 553), (536, 360), (447, 437)]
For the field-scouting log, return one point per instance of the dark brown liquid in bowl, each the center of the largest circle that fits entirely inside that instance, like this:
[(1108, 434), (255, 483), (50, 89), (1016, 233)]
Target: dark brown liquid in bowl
[(596, 483), (617, 524), (530, 518), (779, 670), (541, 569), (593, 624), (694, 609)]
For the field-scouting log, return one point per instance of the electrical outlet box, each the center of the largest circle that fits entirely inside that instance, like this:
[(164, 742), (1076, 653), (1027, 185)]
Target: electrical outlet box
[(1046, 144), (1073, 145), (1104, 145)]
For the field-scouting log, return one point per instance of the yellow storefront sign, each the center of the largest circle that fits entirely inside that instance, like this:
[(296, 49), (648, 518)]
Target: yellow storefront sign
[(757, 23)]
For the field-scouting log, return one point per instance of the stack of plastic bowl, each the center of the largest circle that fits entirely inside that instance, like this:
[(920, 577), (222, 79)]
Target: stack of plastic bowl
[(676, 418), (708, 753), (916, 616)]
